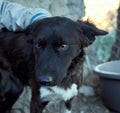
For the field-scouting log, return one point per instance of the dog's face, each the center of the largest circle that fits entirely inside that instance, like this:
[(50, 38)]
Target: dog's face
[(56, 42)]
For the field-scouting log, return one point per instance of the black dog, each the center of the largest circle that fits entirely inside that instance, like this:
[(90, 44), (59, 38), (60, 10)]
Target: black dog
[(47, 53)]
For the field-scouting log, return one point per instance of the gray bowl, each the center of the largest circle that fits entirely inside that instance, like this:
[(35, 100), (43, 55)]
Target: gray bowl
[(109, 73)]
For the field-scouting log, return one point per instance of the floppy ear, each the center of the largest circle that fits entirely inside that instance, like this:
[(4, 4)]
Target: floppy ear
[(89, 31), (29, 32)]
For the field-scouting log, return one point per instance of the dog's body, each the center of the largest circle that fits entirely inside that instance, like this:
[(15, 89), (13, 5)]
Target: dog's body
[(46, 54)]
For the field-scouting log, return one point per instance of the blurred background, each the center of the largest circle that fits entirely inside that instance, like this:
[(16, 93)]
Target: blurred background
[(105, 14)]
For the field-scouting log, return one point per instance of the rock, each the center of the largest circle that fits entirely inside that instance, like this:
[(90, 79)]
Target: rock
[(23, 103), (56, 106), (73, 9), (87, 90), (68, 8)]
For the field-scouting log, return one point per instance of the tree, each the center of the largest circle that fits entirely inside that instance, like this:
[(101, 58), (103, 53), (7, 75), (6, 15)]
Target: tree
[(115, 54)]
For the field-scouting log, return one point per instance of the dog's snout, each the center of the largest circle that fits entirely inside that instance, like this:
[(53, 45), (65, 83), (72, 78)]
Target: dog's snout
[(45, 79)]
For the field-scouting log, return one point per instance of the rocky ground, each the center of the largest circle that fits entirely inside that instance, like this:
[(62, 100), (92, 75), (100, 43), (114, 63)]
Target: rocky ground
[(88, 101)]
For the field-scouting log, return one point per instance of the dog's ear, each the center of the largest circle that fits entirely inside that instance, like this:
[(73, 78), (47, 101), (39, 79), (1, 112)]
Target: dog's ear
[(30, 29), (29, 32), (89, 31)]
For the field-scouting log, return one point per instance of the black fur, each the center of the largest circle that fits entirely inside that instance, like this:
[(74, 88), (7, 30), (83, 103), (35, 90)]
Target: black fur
[(51, 47)]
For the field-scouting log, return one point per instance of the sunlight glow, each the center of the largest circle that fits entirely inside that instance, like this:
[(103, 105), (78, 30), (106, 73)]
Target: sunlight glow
[(101, 12)]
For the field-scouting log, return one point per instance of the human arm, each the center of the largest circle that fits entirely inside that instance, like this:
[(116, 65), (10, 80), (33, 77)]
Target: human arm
[(16, 17)]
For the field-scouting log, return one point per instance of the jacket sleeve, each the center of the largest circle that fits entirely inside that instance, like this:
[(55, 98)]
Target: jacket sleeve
[(16, 17)]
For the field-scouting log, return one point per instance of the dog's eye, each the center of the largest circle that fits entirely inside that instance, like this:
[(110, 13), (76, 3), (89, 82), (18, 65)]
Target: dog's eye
[(38, 45), (63, 47)]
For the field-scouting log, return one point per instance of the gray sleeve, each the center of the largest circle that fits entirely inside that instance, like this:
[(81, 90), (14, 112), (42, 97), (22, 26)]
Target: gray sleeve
[(16, 17)]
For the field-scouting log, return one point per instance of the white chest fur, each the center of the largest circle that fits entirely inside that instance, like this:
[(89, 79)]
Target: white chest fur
[(58, 92)]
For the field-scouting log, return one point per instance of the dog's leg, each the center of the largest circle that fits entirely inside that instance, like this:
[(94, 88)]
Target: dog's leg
[(10, 86), (36, 106), (10, 90)]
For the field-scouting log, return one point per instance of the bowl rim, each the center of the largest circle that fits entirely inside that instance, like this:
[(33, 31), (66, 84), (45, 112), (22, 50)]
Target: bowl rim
[(105, 74)]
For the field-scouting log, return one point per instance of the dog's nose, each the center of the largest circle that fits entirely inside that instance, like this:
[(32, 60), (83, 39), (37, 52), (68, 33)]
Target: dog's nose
[(45, 79)]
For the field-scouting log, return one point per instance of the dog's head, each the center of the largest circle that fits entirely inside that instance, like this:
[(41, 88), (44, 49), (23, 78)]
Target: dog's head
[(56, 41)]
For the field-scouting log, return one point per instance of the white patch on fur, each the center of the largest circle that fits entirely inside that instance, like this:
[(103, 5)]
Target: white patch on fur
[(67, 111), (65, 94)]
